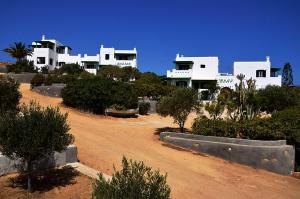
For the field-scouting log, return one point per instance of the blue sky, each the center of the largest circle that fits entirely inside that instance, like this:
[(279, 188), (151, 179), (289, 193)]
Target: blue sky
[(233, 30)]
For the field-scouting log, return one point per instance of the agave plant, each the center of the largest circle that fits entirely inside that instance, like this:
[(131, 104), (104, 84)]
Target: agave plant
[(18, 51)]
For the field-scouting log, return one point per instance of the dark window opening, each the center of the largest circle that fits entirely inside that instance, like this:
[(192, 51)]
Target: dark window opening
[(202, 66), (260, 73), (181, 83), (50, 61), (106, 56), (183, 67), (41, 60), (61, 63)]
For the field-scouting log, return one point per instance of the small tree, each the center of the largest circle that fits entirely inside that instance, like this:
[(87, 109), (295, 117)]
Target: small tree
[(34, 133), (287, 75), (178, 105), (215, 109), (9, 95), (135, 180)]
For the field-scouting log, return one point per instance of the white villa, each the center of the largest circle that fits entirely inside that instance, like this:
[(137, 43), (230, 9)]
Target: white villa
[(197, 72), (52, 53)]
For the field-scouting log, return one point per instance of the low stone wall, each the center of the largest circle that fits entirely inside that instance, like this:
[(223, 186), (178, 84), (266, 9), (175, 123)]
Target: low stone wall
[(22, 77), (152, 105), (273, 156), (58, 159), (53, 91)]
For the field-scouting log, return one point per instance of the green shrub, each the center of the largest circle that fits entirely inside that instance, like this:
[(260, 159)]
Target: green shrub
[(179, 105), (37, 80), (45, 70), (9, 95), (220, 128), (258, 129), (71, 69), (86, 75), (22, 66), (144, 107), (48, 80), (34, 134), (135, 180), (290, 126), (98, 93), (117, 107), (276, 98)]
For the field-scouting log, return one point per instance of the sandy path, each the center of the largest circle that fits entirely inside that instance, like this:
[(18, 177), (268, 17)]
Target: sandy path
[(102, 141)]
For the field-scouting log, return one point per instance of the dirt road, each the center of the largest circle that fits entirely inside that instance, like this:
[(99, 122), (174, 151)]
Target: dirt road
[(102, 141)]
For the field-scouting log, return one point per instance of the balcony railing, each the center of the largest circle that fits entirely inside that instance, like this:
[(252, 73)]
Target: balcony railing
[(179, 73)]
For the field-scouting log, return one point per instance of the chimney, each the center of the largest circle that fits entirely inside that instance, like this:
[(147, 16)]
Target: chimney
[(101, 46), (267, 58), (43, 37), (177, 55)]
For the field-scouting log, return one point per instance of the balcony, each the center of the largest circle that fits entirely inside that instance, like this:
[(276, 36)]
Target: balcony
[(179, 73), (124, 63)]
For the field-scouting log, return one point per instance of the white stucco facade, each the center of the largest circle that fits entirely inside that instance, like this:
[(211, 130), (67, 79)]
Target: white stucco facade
[(53, 54), (198, 72)]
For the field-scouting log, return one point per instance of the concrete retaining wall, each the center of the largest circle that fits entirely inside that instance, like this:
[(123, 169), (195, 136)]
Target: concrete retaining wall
[(58, 159), (53, 91), (22, 77), (273, 156)]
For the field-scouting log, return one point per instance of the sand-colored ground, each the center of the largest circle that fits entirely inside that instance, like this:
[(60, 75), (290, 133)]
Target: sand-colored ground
[(102, 141), (62, 183)]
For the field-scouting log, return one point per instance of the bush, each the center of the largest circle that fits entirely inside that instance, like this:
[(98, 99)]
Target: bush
[(71, 69), (275, 98), (135, 180), (9, 95), (45, 70), (290, 126), (257, 129), (178, 105), (37, 80), (48, 80), (144, 107), (34, 134), (22, 66), (98, 93)]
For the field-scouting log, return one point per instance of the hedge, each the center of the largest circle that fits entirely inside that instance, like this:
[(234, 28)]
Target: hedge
[(97, 94)]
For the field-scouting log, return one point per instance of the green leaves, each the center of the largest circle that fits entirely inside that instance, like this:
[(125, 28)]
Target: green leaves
[(34, 132), (98, 93), (134, 181), (18, 50), (9, 95), (178, 105)]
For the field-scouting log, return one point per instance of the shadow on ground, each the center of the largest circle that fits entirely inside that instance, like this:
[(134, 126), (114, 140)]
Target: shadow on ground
[(170, 129), (44, 181)]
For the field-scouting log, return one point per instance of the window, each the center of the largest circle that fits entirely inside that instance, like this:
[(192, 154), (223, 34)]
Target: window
[(183, 67), (40, 60), (181, 83), (106, 56), (202, 66), (50, 61), (61, 63), (260, 73)]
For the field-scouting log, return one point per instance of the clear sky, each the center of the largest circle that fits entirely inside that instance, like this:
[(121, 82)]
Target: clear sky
[(233, 30)]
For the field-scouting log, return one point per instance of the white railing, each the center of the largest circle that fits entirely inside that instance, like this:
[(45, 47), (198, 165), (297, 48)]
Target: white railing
[(179, 73), (91, 70)]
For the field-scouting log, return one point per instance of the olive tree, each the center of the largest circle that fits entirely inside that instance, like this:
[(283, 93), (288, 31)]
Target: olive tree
[(178, 105), (32, 134), (135, 180)]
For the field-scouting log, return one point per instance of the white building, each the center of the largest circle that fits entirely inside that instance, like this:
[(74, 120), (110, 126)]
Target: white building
[(198, 72), (51, 53)]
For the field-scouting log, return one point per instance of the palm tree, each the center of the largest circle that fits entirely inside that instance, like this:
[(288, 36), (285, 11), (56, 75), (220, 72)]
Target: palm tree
[(18, 50)]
